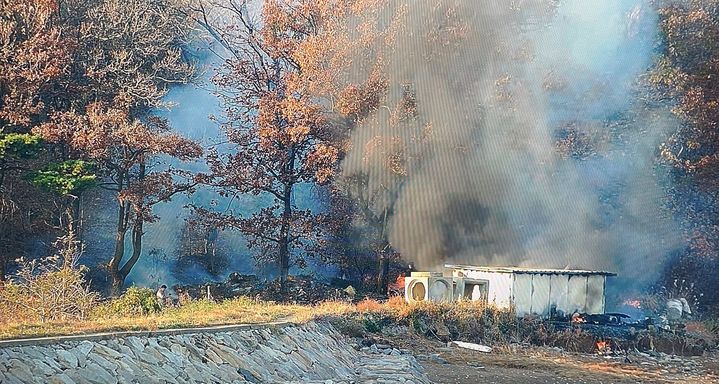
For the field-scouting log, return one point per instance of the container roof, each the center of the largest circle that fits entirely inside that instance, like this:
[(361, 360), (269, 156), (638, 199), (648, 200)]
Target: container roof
[(530, 271)]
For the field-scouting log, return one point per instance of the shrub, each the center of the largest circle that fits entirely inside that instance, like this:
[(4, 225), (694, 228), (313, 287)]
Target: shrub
[(468, 321), (47, 289), (348, 325), (135, 301)]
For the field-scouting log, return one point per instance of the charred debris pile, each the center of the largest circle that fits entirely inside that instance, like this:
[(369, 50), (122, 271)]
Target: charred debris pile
[(670, 328), (468, 322), (554, 307), (614, 335)]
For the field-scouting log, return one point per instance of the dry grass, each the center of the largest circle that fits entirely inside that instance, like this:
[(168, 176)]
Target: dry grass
[(367, 315), (193, 314)]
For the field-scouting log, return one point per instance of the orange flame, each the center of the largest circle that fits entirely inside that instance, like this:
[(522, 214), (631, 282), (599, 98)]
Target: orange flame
[(602, 347), (396, 287)]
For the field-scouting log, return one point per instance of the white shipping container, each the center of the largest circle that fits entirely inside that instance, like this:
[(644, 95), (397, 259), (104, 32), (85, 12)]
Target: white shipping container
[(539, 291)]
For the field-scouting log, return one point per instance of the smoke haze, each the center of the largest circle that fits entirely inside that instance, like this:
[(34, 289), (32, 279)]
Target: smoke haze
[(192, 105), (486, 183), (481, 176)]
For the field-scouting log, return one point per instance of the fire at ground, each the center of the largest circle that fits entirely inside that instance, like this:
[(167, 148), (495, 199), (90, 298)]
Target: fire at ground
[(610, 334), (569, 306)]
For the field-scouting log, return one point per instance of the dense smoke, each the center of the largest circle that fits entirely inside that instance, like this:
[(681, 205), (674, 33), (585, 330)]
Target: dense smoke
[(504, 86)]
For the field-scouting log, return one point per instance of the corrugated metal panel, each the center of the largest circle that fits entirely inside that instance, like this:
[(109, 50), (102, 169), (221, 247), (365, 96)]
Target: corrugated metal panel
[(576, 294), (540, 294), (595, 294), (535, 290), (559, 292), (523, 294)]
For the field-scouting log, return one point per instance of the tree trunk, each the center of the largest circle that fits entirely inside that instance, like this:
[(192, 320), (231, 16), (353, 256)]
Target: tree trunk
[(382, 272), (284, 251), (285, 234), (137, 228), (136, 248), (383, 267), (2, 269), (3, 256), (114, 267), (2, 172), (76, 219)]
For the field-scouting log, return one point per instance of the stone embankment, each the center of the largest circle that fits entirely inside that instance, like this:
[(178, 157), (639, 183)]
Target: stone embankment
[(288, 353)]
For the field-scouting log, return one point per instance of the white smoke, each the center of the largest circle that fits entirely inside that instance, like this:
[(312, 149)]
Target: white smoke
[(488, 186)]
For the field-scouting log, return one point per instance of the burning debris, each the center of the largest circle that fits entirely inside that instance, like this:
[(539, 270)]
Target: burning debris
[(634, 303), (569, 304), (609, 319), (603, 347), (396, 288)]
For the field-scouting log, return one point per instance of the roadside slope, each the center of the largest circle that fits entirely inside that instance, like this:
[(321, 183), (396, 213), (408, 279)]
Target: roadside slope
[(280, 353)]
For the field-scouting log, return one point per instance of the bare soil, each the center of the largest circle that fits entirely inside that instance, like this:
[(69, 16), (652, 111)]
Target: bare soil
[(525, 364)]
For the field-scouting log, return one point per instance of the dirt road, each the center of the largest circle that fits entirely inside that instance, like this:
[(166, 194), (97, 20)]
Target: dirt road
[(525, 365)]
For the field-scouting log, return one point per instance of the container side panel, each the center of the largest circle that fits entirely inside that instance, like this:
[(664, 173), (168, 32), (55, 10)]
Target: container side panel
[(499, 290), (576, 294), (559, 293), (595, 294), (540, 294), (523, 294)]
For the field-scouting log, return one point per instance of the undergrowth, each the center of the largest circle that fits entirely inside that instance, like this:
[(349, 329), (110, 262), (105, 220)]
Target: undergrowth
[(137, 309), (135, 302), (48, 289), (467, 320)]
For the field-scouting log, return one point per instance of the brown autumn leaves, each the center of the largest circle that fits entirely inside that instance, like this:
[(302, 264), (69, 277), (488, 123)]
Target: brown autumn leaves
[(293, 102), (685, 77), (297, 79), (86, 76)]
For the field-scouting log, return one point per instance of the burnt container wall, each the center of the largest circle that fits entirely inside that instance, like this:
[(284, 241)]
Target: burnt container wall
[(559, 294), (595, 294), (576, 294), (541, 290), (537, 293)]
